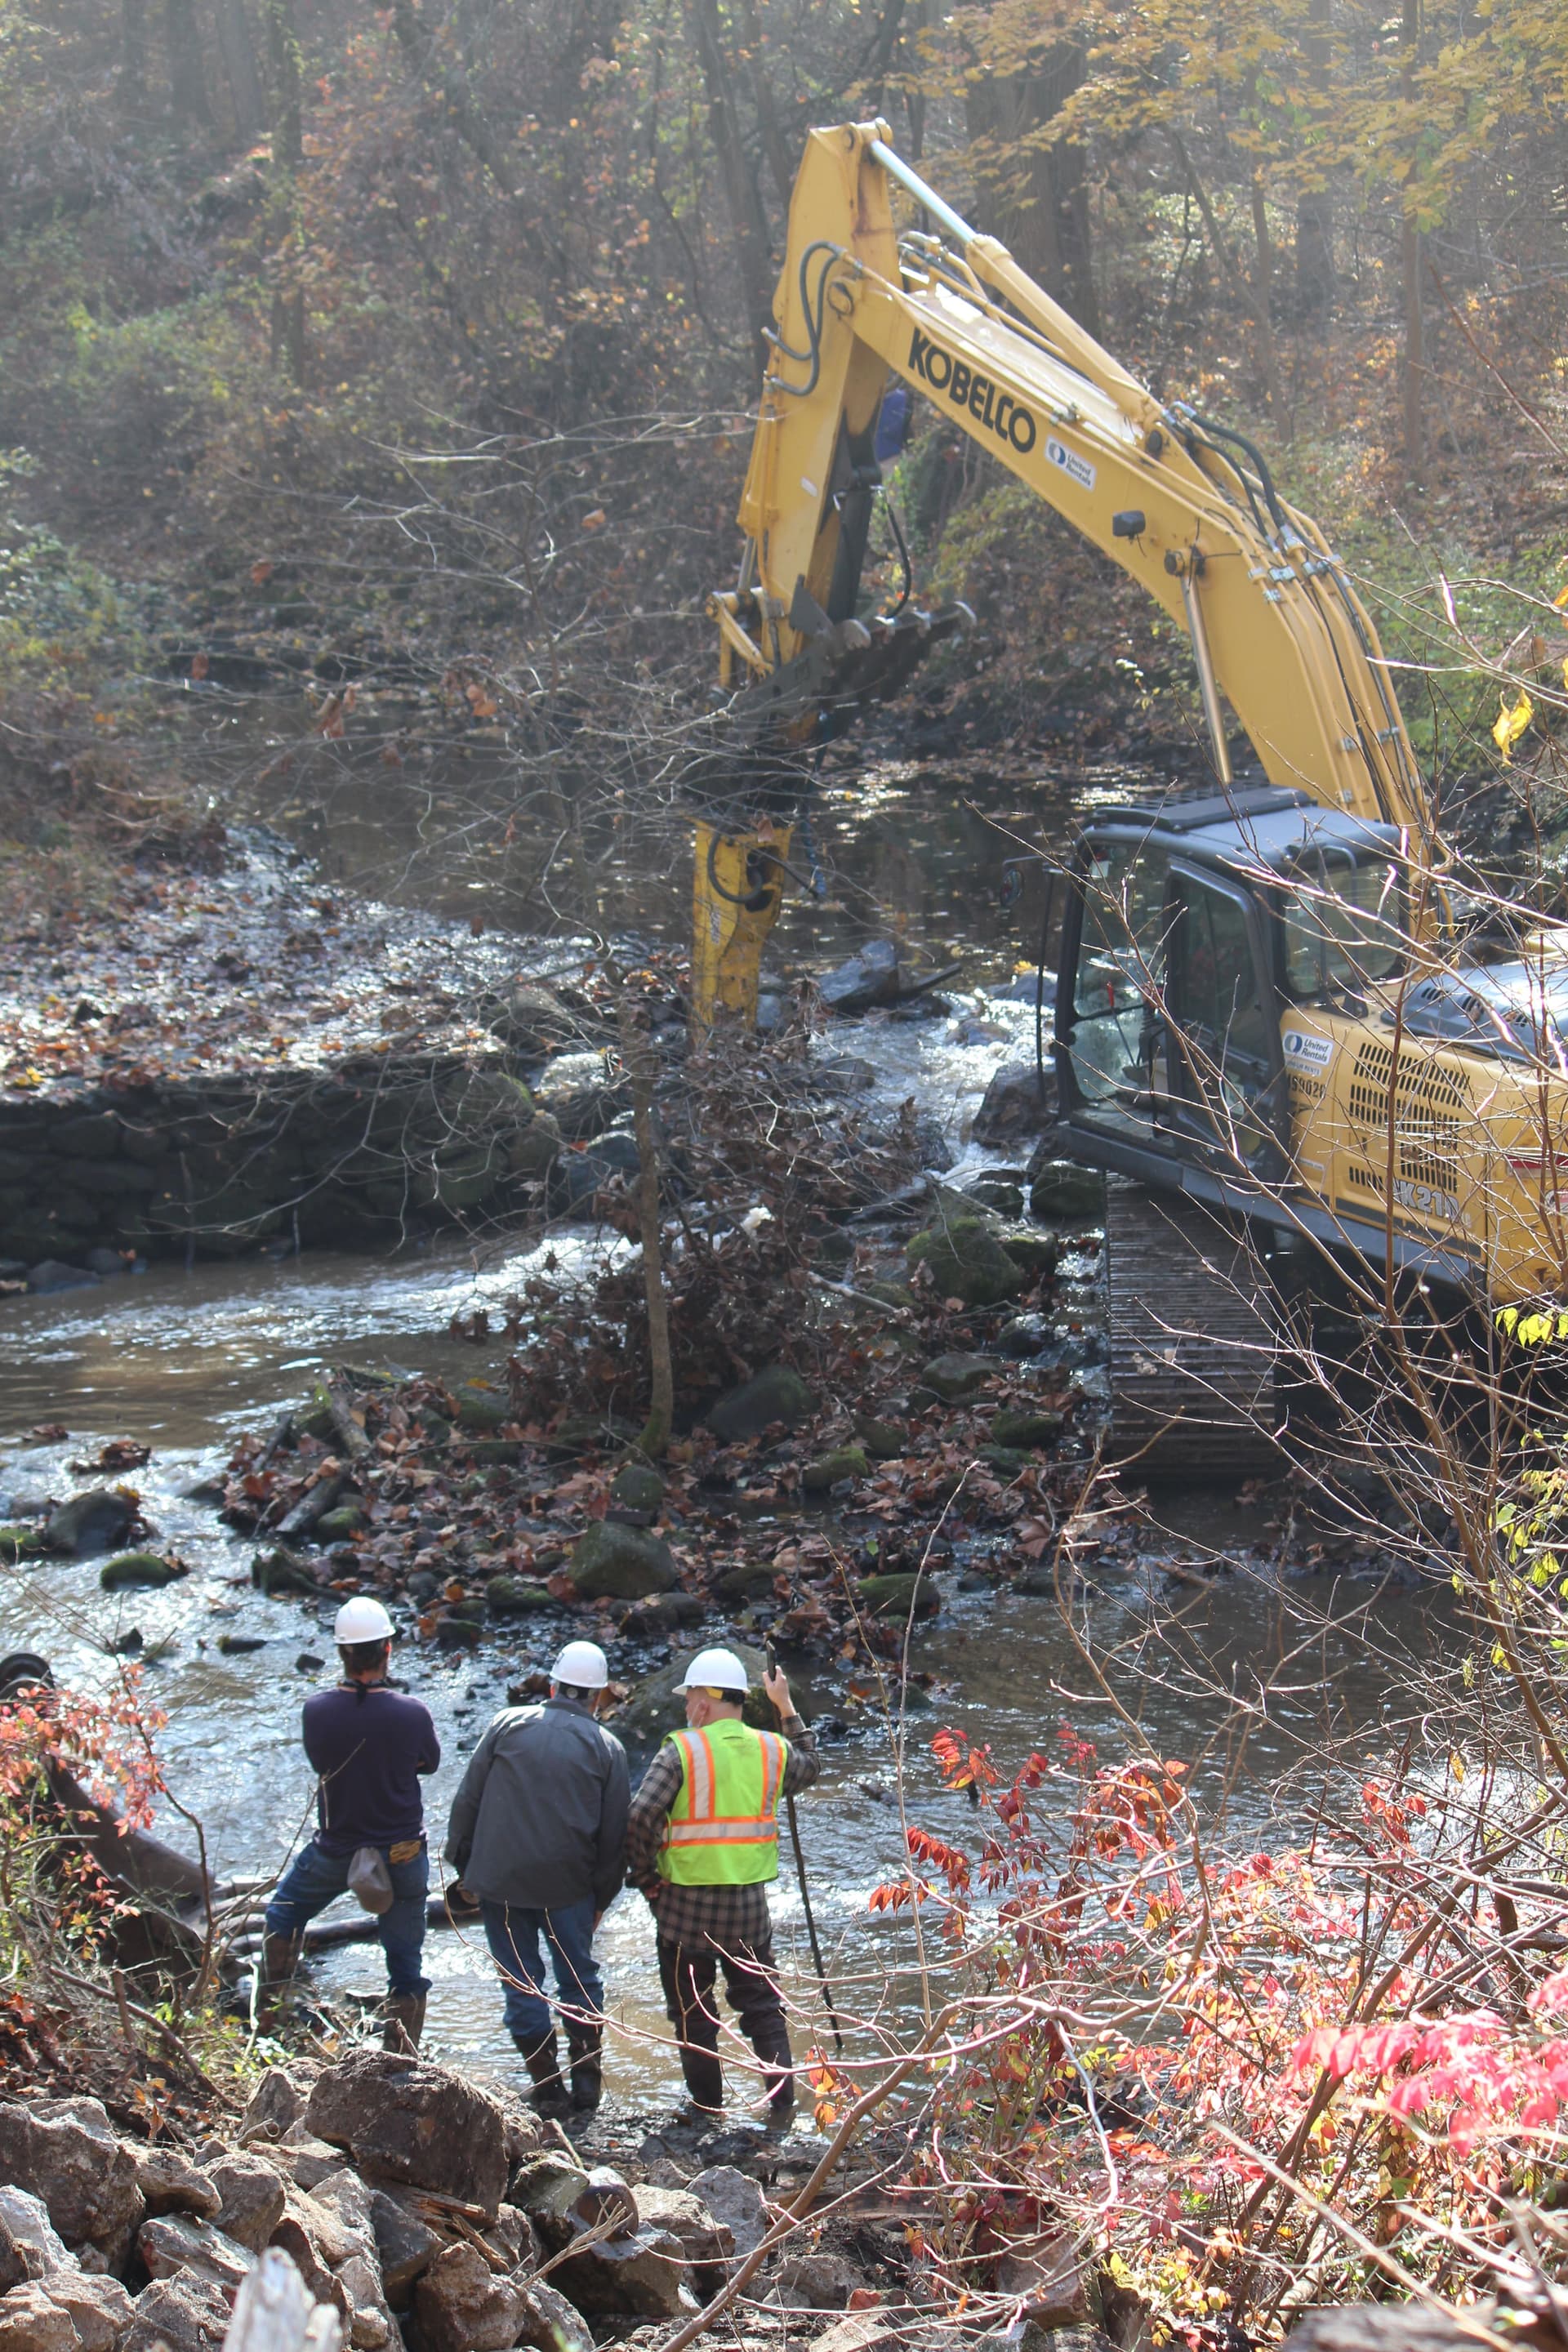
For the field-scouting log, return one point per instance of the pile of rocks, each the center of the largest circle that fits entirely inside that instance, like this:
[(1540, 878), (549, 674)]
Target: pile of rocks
[(417, 2206)]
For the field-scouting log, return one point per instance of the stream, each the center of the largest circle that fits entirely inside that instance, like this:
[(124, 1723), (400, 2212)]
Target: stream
[(185, 1362)]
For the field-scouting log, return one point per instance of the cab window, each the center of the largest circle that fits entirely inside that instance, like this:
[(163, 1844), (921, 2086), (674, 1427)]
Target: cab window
[(1344, 926)]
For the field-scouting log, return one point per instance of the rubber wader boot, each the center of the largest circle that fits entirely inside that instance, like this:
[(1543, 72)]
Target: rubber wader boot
[(586, 2053), (280, 1959), (543, 2063), (403, 2021)]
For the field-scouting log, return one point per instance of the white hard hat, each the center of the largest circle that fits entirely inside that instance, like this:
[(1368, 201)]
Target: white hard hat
[(360, 1620), (716, 1669), (583, 1666)]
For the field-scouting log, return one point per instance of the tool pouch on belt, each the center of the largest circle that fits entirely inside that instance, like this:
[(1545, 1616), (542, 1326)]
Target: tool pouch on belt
[(369, 1880)]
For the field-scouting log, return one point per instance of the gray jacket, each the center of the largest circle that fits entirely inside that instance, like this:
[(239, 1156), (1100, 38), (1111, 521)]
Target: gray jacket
[(540, 1821)]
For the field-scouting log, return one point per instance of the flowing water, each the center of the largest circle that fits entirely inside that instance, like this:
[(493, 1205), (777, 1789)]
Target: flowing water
[(185, 1362)]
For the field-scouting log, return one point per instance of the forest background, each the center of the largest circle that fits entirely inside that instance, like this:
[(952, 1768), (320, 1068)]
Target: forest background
[(416, 346)]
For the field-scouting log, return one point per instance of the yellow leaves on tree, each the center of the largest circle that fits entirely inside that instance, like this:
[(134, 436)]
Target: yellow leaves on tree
[(1512, 722)]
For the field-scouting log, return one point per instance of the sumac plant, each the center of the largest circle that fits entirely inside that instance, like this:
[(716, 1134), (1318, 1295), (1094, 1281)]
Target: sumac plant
[(56, 1902), (1227, 2084)]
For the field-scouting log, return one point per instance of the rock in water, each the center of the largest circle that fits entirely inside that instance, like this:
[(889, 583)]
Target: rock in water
[(614, 1563), (831, 1469), (413, 2123), (636, 1488), (956, 1377), (150, 1568), (884, 1441), (1012, 1106), (66, 2152), (1060, 1188), (517, 1596), (967, 1262), (777, 1394), (91, 1522), (891, 1595), (865, 979), (52, 1274), (657, 1707)]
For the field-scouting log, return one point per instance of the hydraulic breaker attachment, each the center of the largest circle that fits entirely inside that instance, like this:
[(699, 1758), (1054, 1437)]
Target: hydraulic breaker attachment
[(736, 890)]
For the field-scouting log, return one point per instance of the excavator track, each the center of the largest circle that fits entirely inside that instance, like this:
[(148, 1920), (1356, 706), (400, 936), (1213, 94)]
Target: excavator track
[(1191, 1350)]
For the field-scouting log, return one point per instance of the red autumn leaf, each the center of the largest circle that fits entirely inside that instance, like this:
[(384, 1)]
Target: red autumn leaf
[(198, 666), (261, 571)]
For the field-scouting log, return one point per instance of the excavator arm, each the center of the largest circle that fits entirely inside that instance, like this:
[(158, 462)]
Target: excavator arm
[(1186, 506)]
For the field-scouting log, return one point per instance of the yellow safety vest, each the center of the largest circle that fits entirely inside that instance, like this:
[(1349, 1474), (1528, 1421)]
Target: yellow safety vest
[(723, 1827)]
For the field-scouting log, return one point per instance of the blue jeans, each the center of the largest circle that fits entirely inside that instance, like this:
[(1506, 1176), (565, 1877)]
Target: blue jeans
[(316, 1879), (514, 1936)]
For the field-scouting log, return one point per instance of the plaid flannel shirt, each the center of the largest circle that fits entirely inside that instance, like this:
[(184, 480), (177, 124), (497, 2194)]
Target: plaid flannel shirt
[(721, 1915)]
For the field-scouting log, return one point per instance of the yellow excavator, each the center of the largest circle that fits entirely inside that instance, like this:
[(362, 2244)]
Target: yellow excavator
[(1269, 1028)]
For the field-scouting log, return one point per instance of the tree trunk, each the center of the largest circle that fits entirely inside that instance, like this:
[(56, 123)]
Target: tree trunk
[(1267, 356), (283, 55), (1263, 279), (132, 84), (1037, 192), (239, 67), (187, 71), (743, 201), (289, 333), (779, 162), (1316, 283), (638, 1056), (1414, 367)]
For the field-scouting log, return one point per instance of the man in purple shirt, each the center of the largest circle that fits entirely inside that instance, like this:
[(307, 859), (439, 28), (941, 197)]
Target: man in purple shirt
[(369, 1746)]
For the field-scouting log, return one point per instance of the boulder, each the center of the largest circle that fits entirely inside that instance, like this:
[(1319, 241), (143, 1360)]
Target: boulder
[(482, 1411), (736, 2203), (91, 1522), (302, 2235), (641, 2275), (405, 2245), (816, 2280), (1387, 2327), (32, 2321), (884, 1441), (1026, 1335), (1060, 1188), (66, 2152), (957, 1377), (515, 2237), (613, 1562), (26, 2220), (413, 2123), (550, 2324), (186, 2314), (704, 2240), (582, 1094), (517, 1596), (832, 1469), (966, 1261), (867, 979), (52, 1274), (1025, 1428), (278, 2102), (18, 2262), (998, 1191), (529, 1017), (891, 1595), (1012, 1106), (1031, 1249), (345, 2197), (578, 1176), (777, 1394), (171, 2183), (604, 2205), (546, 2189), (250, 2199), (666, 1612), (100, 2308), (462, 2305), (1043, 2276), (636, 1488), (172, 2243), (150, 1568)]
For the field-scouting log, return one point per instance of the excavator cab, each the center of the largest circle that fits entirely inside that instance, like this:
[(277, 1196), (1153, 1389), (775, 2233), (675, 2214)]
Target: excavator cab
[(1193, 930)]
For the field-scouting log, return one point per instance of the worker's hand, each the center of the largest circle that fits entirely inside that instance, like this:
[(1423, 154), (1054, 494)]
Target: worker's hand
[(777, 1690), (650, 1894)]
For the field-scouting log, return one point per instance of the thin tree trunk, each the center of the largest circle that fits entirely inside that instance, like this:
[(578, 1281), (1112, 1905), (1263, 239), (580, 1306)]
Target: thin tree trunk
[(1414, 366), (1264, 283), (1039, 193), (1268, 357), (636, 1053), (239, 67), (779, 162), (289, 333), (283, 55), (1315, 279), (133, 86), (187, 71), (742, 199)]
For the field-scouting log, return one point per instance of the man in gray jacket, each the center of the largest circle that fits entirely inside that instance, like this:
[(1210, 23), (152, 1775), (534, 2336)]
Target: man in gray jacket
[(537, 1836)]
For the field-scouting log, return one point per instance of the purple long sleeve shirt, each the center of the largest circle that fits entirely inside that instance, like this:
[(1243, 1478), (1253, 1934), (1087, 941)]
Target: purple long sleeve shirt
[(370, 1749)]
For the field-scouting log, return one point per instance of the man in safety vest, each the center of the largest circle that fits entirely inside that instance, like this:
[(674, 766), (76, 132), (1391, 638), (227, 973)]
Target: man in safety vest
[(702, 1843)]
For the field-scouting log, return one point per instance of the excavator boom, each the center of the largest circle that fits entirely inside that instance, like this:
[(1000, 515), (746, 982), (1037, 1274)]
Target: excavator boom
[(1185, 506)]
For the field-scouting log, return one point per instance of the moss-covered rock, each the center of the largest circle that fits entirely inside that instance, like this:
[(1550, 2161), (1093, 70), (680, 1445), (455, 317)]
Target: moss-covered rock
[(517, 1596), (752, 1580), (613, 1562), (636, 1488), (953, 1377), (891, 1595), (1060, 1188), (20, 1543), (281, 1570), (337, 1526), (884, 1441), (1026, 1428), (776, 1394), (832, 1469), (481, 1411), (455, 1632), (1032, 1250), (966, 1261), (140, 1567)]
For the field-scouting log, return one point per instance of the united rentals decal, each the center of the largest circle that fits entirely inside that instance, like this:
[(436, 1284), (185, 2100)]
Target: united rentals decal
[(997, 411)]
